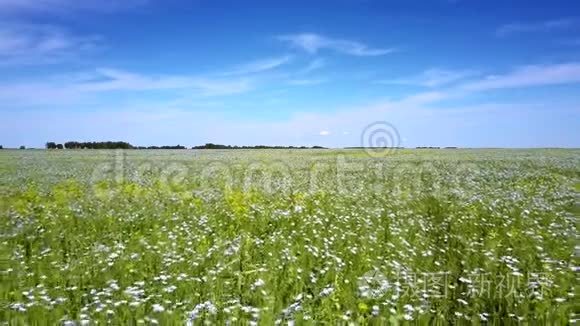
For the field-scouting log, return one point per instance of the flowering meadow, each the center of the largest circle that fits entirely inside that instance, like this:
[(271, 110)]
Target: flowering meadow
[(285, 237)]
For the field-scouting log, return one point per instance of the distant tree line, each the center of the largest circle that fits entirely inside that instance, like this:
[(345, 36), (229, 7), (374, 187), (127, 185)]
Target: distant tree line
[(21, 147), (363, 147), (53, 145), (104, 145), (435, 147), (89, 145), (418, 147), (98, 145), (160, 147), (125, 145), (218, 146)]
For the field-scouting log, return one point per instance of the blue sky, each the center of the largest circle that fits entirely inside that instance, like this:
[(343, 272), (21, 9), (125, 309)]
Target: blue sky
[(443, 73)]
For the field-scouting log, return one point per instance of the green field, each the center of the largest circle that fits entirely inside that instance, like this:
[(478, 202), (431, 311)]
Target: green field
[(266, 237)]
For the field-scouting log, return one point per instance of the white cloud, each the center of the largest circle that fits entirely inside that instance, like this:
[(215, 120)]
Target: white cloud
[(312, 43), (324, 133), (306, 82), (75, 87), (39, 44), (526, 76), (313, 65), (531, 27), (125, 81), (493, 124), (434, 77), (259, 65), (303, 77), (107, 79), (428, 97)]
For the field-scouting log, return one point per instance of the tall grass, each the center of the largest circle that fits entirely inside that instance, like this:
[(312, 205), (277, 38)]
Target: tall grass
[(282, 237)]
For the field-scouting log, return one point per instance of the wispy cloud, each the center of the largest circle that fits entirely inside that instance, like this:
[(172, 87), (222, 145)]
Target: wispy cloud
[(107, 79), (312, 43), (433, 77), (426, 98), (259, 65), (86, 85), (417, 123), (417, 126), (520, 77), (306, 82), (541, 26), (526, 76), (65, 6), (464, 82), (313, 65), (39, 44)]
